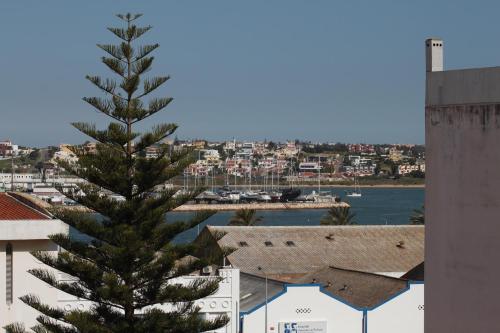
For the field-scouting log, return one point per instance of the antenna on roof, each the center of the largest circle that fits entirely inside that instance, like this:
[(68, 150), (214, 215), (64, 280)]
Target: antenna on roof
[(12, 170)]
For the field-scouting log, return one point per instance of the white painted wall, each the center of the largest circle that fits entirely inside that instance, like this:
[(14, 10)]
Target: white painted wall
[(404, 313), (24, 282), (294, 306), (224, 301), (32, 235), (31, 229)]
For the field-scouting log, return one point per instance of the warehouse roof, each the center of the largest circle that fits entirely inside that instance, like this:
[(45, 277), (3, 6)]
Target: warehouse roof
[(417, 273), (360, 289), (287, 253), (253, 290)]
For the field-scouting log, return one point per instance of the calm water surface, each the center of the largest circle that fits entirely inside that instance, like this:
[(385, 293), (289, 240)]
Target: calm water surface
[(376, 206)]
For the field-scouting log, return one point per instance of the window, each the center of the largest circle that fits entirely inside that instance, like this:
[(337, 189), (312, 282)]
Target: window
[(8, 274), (243, 244), (290, 243), (268, 243)]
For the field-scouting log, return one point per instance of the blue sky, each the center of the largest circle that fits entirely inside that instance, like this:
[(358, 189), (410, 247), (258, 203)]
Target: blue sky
[(350, 71)]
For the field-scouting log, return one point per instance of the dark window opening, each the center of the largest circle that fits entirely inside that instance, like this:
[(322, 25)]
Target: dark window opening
[(290, 243), (9, 283), (243, 244)]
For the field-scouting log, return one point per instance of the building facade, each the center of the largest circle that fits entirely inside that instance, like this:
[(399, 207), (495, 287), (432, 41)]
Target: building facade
[(462, 201), (308, 308), (24, 228)]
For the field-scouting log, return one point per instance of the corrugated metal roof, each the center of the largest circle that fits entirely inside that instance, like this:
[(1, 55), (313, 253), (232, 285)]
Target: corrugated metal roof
[(12, 209), (375, 249)]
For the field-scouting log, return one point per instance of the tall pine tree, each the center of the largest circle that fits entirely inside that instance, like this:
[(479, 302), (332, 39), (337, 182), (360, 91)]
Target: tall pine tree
[(125, 265)]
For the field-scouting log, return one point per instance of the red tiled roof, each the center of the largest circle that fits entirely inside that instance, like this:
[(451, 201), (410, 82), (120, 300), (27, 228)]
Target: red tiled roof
[(11, 209)]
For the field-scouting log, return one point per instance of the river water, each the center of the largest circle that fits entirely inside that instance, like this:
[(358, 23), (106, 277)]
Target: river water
[(376, 206)]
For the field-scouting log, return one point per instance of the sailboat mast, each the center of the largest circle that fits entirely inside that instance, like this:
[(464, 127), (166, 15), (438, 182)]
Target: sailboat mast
[(272, 179), (12, 170), (319, 174)]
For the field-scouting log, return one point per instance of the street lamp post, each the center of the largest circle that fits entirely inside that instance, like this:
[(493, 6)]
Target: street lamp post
[(265, 314)]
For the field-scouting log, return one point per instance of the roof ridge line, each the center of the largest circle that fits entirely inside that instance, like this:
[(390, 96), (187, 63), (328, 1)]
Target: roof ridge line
[(34, 207), (358, 271)]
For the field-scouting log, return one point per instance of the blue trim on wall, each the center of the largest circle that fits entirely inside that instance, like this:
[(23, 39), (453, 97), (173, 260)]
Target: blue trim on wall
[(408, 287), (285, 289), (340, 299), (269, 300), (402, 291), (416, 282), (322, 290)]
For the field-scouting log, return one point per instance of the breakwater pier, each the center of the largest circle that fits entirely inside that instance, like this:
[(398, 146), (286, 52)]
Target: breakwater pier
[(261, 206)]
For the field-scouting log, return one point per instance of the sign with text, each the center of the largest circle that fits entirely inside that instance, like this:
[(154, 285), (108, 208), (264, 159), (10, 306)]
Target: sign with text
[(302, 327)]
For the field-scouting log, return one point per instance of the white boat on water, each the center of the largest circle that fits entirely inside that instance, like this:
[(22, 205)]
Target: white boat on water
[(320, 196), (356, 193)]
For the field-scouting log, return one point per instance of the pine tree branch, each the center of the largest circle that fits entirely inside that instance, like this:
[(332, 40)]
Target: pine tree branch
[(107, 86), (152, 84), (15, 328), (119, 32), (115, 136), (130, 85), (52, 326), (86, 322), (114, 65), (143, 51), (158, 133), (128, 17), (100, 104), (34, 302), (130, 34), (107, 107), (113, 50), (142, 65), (150, 173)]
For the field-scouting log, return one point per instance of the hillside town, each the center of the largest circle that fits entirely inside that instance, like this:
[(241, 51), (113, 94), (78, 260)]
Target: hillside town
[(243, 162)]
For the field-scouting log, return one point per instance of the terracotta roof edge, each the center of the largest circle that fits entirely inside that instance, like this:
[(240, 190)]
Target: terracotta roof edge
[(29, 203)]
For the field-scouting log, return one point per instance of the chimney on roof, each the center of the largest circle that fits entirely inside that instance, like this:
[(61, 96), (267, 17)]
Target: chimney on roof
[(434, 55)]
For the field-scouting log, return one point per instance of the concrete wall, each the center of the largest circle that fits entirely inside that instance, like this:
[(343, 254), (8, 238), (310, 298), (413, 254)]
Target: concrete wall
[(466, 86), (403, 313), (462, 201)]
